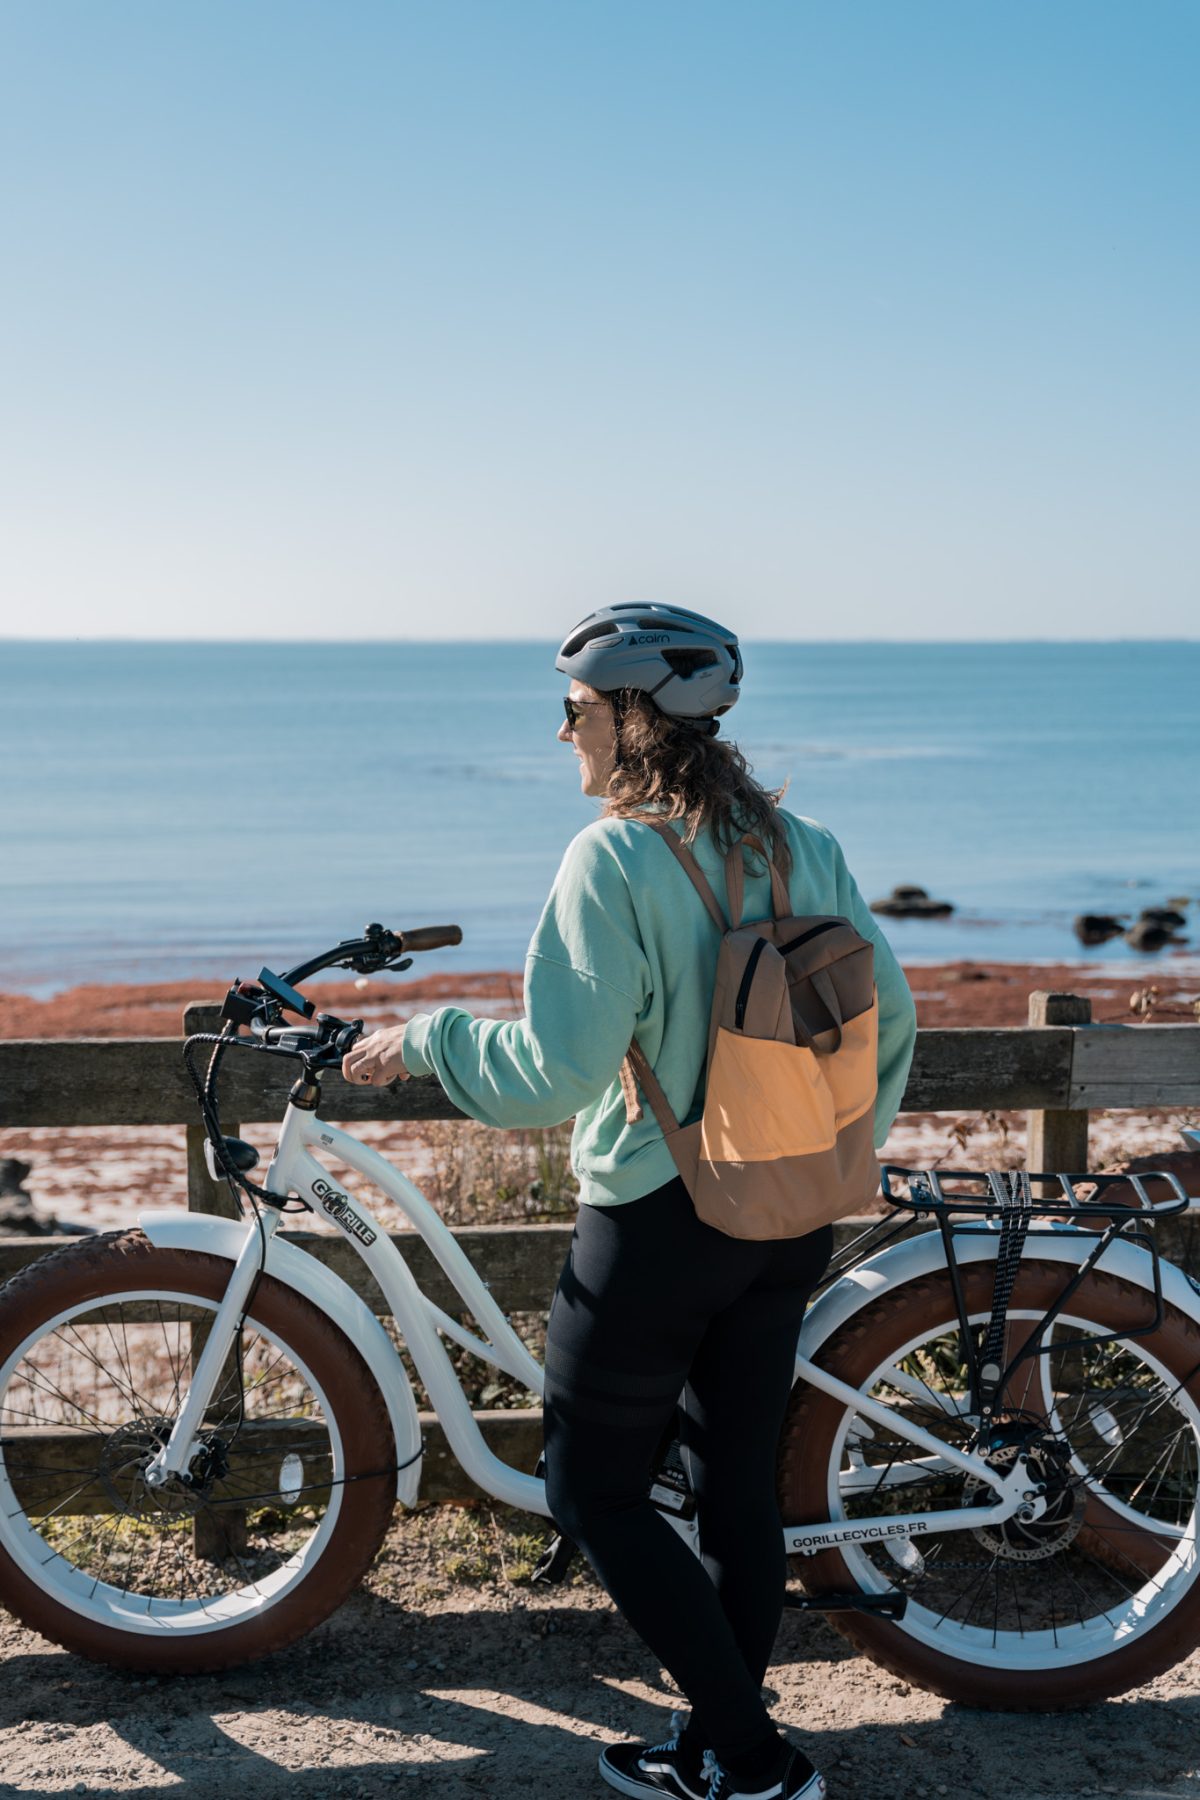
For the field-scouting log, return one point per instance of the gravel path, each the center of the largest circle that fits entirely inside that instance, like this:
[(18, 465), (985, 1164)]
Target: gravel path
[(447, 1676)]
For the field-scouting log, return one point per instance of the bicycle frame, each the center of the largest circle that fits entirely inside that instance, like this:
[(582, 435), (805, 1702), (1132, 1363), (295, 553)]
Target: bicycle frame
[(296, 1168)]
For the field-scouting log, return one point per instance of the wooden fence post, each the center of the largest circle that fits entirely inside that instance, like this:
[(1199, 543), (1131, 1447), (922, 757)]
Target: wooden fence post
[(213, 1536), (1057, 1140)]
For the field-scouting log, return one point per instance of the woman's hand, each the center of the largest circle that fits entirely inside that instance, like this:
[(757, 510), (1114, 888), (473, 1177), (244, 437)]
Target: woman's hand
[(377, 1060)]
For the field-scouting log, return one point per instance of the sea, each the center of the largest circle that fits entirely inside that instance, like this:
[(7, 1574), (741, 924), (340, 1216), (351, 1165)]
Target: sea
[(171, 810)]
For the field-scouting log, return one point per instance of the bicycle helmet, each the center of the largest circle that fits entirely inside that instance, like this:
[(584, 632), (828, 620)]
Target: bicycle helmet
[(688, 665)]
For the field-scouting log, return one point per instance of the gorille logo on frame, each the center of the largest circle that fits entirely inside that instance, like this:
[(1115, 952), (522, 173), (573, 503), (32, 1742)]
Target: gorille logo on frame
[(339, 1208)]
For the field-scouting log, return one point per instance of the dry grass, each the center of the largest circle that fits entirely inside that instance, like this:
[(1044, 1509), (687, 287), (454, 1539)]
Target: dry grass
[(474, 1175), (478, 1176)]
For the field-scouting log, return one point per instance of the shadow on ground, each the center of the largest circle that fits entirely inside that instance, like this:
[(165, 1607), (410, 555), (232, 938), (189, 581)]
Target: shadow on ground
[(508, 1702)]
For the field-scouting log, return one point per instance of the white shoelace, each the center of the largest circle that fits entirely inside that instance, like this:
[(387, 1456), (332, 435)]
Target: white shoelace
[(718, 1776), (678, 1721)]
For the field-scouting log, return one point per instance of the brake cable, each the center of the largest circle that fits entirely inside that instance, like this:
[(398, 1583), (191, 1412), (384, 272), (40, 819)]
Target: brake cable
[(396, 1468), (206, 1094), (237, 1180)]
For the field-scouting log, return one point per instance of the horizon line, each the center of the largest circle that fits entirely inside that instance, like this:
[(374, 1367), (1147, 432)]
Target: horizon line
[(339, 642)]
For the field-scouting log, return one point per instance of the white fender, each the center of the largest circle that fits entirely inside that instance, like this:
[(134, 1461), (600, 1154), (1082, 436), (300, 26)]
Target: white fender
[(174, 1229), (924, 1255)]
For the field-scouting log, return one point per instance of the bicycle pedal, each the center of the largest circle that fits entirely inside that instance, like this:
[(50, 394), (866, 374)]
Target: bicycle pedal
[(553, 1563), (885, 1606)]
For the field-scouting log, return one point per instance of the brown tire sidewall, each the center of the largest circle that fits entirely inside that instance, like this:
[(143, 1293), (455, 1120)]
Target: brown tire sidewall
[(129, 1262), (806, 1446)]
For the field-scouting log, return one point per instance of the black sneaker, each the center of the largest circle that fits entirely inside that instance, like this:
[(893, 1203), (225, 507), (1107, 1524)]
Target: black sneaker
[(799, 1781), (652, 1769)]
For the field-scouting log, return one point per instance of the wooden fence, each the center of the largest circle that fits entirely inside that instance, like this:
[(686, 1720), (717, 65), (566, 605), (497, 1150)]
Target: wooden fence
[(1058, 1070)]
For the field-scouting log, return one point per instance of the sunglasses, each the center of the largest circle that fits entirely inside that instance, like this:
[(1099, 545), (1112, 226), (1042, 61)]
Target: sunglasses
[(575, 709)]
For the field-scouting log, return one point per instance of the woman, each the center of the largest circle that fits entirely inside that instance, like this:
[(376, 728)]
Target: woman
[(654, 1310)]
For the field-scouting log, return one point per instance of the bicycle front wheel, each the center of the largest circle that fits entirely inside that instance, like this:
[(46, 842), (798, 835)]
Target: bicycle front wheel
[(1100, 1593), (289, 1492)]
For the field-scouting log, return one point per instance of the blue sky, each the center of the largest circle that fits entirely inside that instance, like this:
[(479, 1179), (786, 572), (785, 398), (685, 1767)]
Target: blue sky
[(326, 320)]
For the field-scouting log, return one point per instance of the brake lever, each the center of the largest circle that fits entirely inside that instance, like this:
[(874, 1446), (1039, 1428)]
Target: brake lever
[(293, 1040)]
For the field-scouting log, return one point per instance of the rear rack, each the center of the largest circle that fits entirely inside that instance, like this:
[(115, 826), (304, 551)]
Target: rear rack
[(991, 1193), (961, 1203)]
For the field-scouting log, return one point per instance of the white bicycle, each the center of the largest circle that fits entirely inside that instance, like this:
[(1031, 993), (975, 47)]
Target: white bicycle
[(988, 1474)]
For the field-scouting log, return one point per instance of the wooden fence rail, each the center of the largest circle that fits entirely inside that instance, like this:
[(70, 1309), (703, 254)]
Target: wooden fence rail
[(141, 1081), (1042, 1067), (1057, 1070)]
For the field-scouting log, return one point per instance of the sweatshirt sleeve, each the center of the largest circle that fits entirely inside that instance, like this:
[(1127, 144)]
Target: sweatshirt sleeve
[(897, 1014), (586, 981)]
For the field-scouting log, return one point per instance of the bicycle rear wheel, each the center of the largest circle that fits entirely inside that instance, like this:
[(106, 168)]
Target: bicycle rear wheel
[(1099, 1594), (291, 1489)]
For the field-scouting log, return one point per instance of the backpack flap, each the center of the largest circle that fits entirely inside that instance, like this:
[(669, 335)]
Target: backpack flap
[(831, 977)]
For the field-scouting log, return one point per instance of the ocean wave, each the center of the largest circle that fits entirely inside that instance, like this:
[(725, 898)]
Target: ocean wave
[(513, 775), (862, 752)]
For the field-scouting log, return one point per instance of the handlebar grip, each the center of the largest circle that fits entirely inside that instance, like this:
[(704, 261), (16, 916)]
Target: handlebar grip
[(431, 937)]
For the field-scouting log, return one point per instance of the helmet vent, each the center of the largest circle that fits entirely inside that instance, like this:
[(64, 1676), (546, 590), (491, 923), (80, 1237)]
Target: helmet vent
[(604, 629), (687, 662)]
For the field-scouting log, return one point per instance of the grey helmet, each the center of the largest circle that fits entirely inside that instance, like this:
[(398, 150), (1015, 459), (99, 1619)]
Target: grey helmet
[(688, 665)]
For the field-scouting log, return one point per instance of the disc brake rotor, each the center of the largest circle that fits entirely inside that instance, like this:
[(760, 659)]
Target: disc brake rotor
[(128, 1453), (1030, 1540)]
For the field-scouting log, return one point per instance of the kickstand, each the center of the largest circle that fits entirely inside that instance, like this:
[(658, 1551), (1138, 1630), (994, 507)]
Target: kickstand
[(885, 1606), (555, 1560)]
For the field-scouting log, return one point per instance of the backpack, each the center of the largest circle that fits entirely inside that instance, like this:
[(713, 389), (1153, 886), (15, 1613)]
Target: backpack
[(786, 1139)]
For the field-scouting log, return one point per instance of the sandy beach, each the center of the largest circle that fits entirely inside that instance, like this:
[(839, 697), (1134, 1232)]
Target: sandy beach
[(98, 1176)]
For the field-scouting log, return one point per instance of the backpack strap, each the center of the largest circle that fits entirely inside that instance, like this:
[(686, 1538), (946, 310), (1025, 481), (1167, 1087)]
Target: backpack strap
[(735, 882), (635, 1068), (633, 1106), (692, 870), (683, 1143), (639, 1069)]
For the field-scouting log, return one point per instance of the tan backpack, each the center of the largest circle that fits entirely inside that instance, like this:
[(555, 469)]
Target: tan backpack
[(785, 1143)]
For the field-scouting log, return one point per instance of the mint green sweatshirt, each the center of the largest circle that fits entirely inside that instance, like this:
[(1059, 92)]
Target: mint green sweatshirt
[(624, 946)]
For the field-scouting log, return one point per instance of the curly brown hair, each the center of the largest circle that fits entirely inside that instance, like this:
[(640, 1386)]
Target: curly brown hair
[(677, 767)]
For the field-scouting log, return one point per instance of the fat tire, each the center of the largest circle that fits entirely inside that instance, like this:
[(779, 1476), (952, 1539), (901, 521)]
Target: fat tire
[(806, 1445), (117, 1262)]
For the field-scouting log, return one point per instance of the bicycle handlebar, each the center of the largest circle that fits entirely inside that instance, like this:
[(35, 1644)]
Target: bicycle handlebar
[(431, 937), (375, 950), (258, 1003)]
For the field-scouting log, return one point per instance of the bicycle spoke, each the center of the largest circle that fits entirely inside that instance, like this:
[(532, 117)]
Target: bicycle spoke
[(64, 1399), (120, 1377), (176, 1369), (1121, 1443)]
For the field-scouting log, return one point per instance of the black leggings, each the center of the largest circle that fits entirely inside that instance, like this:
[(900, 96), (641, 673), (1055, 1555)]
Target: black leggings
[(655, 1310)]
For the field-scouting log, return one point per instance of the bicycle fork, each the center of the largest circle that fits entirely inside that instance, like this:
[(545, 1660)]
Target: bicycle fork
[(175, 1457)]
